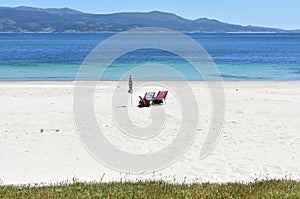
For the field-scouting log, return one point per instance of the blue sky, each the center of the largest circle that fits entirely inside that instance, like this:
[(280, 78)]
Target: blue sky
[(271, 13)]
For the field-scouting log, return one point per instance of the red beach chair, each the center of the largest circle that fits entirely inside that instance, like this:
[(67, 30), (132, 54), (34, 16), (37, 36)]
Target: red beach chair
[(143, 102), (160, 98)]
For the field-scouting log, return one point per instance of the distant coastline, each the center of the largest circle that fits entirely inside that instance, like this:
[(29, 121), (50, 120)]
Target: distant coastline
[(107, 32), (64, 20)]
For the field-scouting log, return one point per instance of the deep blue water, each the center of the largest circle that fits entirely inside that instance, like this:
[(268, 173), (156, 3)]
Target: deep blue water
[(241, 57)]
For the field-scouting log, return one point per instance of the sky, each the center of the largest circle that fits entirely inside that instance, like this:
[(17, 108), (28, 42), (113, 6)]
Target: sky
[(269, 13)]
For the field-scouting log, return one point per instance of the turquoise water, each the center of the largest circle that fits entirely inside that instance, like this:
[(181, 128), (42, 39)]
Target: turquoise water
[(239, 57)]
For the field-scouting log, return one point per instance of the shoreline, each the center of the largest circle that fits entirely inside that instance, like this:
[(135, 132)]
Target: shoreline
[(73, 81), (270, 84)]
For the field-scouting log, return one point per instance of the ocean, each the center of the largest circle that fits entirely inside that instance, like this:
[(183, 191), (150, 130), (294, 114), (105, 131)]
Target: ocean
[(238, 56)]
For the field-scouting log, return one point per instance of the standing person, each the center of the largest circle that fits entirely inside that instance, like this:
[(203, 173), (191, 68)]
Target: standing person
[(130, 84), (130, 88)]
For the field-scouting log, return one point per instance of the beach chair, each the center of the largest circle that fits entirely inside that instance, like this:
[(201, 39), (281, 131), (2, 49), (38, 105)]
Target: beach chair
[(145, 102), (160, 98), (149, 96)]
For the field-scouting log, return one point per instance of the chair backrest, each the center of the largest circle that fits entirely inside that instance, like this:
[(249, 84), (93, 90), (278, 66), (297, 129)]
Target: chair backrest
[(161, 95), (149, 96)]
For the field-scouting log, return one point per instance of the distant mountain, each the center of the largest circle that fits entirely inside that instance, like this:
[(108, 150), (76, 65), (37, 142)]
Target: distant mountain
[(28, 19)]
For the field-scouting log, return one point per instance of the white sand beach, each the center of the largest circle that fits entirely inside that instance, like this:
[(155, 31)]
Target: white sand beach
[(260, 137)]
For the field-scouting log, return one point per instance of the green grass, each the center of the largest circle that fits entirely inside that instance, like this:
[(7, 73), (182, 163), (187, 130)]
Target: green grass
[(157, 189)]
